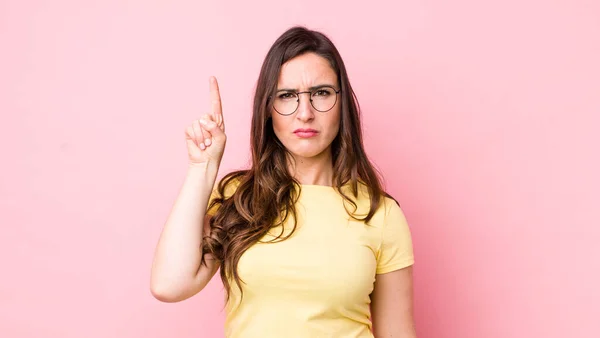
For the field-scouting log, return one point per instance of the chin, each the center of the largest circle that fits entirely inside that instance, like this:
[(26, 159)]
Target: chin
[(306, 152)]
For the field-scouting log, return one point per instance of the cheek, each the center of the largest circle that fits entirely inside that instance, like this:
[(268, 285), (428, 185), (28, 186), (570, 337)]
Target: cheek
[(278, 126), (334, 123)]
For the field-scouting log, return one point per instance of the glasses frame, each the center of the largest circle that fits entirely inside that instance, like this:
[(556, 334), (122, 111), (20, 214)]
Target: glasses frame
[(311, 100)]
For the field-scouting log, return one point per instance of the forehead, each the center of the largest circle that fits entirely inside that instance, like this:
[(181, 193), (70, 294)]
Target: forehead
[(306, 71)]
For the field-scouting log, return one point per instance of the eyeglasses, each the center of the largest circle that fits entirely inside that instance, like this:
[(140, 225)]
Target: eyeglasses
[(323, 99)]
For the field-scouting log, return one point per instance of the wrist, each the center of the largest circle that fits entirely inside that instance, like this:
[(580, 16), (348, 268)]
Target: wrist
[(207, 168), (208, 165)]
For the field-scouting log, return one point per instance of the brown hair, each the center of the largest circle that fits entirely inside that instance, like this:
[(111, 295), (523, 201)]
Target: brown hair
[(266, 193)]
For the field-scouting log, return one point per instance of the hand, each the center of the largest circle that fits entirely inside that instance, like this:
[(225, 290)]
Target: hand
[(205, 137)]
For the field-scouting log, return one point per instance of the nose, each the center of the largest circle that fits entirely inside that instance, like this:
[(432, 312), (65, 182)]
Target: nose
[(305, 111)]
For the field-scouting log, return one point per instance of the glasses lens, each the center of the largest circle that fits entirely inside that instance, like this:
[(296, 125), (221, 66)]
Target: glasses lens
[(285, 102), (323, 99)]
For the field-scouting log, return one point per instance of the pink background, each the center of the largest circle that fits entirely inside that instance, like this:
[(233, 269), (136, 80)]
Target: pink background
[(482, 115)]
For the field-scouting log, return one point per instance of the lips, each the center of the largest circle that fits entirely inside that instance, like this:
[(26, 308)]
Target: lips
[(305, 133)]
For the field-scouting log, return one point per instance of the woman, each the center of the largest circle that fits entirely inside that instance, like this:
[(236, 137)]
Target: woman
[(308, 243)]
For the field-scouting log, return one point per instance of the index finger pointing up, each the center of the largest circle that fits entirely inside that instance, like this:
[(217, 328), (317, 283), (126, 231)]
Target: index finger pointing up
[(215, 101)]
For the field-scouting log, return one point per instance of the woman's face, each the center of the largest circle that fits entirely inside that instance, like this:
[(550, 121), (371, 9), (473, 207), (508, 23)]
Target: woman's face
[(307, 132)]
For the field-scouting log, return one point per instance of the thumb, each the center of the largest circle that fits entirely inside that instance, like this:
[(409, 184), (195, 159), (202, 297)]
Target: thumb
[(213, 128)]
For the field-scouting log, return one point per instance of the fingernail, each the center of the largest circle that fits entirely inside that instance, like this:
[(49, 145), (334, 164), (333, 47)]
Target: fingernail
[(207, 141), (203, 121)]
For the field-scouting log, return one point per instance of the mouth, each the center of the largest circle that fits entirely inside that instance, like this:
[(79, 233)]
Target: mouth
[(305, 133)]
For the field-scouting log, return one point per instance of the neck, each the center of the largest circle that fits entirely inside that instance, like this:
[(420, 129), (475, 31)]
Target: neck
[(317, 170)]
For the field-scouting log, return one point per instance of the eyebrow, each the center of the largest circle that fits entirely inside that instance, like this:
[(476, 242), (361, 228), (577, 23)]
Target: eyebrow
[(310, 89)]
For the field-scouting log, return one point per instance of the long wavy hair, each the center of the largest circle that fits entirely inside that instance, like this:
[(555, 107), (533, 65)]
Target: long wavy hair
[(266, 193)]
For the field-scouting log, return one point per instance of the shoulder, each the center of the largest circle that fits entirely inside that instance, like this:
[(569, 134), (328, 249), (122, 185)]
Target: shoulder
[(224, 190), (388, 206), (229, 184)]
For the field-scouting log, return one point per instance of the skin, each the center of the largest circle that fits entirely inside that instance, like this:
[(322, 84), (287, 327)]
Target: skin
[(176, 271), (392, 298), (392, 305), (313, 155)]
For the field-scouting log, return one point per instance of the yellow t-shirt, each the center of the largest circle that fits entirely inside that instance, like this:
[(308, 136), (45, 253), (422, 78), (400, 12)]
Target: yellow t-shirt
[(317, 282)]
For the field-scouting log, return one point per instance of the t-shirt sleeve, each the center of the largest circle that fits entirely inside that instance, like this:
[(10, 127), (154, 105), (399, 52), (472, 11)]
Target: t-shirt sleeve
[(212, 210), (396, 249), (230, 189)]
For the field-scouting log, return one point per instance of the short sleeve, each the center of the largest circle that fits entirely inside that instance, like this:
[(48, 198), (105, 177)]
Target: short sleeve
[(229, 191), (212, 210), (396, 249)]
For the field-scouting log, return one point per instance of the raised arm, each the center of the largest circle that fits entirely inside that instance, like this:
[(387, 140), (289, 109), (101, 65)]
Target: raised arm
[(176, 270)]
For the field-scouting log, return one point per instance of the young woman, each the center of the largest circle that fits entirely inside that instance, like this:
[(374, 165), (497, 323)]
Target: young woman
[(308, 243)]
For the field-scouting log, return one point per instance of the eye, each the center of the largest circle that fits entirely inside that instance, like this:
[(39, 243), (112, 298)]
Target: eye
[(322, 92), (286, 96)]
